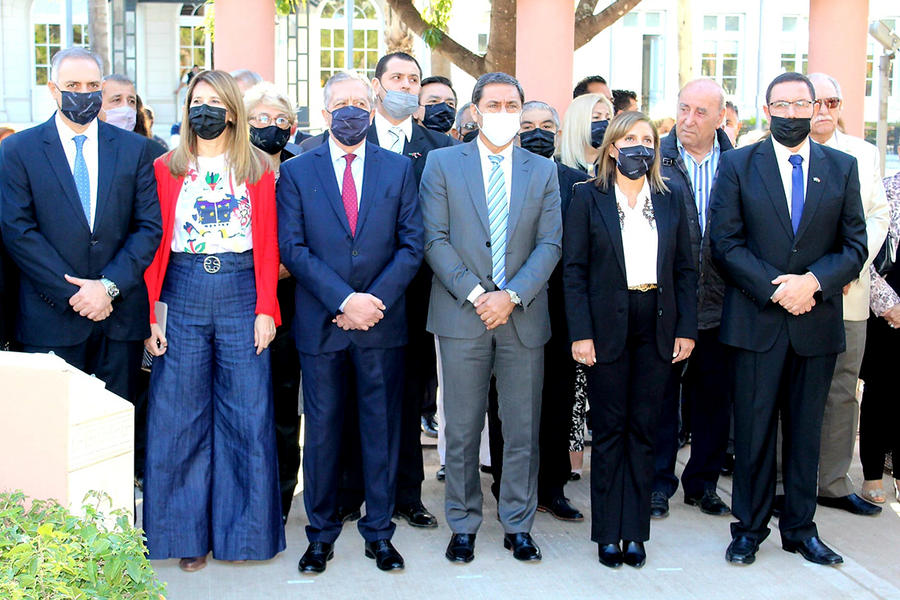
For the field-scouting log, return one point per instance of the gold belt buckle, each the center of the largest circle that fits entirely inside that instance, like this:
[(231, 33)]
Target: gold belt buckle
[(644, 287)]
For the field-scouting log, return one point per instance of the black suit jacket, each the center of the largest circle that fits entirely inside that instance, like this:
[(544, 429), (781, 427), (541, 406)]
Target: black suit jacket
[(753, 242), (596, 288), (47, 234)]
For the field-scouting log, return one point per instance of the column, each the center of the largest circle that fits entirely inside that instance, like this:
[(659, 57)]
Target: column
[(245, 36), (545, 41)]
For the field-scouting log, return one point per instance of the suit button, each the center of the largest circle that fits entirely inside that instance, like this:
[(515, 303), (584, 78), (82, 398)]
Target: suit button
[(94, 242), (355, 253), (659, 312), (488, 243), (489, 278), (659, 289), (794, 250)]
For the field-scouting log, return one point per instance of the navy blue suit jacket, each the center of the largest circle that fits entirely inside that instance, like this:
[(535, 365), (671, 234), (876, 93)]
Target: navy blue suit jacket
[(47, 234), (330, 263), (753, 242)]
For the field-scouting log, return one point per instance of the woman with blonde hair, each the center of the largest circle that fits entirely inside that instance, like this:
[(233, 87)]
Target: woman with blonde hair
[(630, 290), (582, 133), (211, 481)]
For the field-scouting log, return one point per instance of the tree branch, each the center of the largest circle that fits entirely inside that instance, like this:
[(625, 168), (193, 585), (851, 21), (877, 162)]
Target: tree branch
[(461, 56), (585, 9), (590, 25), (501, 49)]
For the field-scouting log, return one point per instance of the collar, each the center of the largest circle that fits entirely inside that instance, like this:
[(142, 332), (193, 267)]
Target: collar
[(383, 125), (66, 133), (483, 150), (782, 153), (684, 153), (833, 141), (641, 197), (337, 153)]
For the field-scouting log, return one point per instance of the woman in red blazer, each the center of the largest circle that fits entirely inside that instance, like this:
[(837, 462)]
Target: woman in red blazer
[(211, 480)]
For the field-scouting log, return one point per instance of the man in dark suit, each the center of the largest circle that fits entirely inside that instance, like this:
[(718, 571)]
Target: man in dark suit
[(787, 228), (81, 221), (351, 233), (493, 236)]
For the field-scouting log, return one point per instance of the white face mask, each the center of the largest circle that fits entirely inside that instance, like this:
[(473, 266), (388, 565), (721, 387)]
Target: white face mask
[(500, 128), (123, 117)]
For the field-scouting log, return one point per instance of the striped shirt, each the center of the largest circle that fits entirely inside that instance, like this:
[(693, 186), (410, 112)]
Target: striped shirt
[(702, 175)]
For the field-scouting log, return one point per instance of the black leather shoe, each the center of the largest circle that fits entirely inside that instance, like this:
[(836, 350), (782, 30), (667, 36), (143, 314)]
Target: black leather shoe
[(561, 509), (522, 546), (461, 548), (728, 466), (709, 502), (633, 554), (416, 515), (610, 555), (441, 474), (659, 505), (386, 556), (852, 504), (316, 557), (429, 426), (778, 506), (814, 550), (742, 550), (346, 513)]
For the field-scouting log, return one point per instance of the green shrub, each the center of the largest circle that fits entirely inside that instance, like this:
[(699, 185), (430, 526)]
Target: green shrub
[(47, 553)]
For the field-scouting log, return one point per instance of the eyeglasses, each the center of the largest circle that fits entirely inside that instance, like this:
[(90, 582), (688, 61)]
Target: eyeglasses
[(470, 126), (830, 103), (785, 105), (266, 121)]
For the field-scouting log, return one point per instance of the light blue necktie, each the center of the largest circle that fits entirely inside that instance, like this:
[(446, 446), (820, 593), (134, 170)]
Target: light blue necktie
[(498, 213), (796, 191), (82, 179)]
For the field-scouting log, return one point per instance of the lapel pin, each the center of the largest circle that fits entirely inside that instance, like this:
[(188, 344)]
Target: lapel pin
[(817, 180), (414, 154)]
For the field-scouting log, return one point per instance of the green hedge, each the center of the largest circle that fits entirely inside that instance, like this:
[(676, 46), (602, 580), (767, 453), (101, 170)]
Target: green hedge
[(47, 553)]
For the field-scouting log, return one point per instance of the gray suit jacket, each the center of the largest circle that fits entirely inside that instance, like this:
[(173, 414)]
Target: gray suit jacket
[(457, 240)]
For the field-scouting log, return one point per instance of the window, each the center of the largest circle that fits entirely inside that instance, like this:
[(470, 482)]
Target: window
[(789, 24), (630, 19), (193, 43), (652, 19), (366, 39), (80, 35), (46, 43), (720, 53), (482, 43), (794, 44)]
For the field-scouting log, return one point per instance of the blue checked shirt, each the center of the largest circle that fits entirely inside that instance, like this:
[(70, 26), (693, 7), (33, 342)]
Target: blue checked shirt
[(702, 176)]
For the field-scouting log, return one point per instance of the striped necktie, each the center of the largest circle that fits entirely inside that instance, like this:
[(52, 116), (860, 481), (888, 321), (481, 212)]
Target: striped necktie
[(498, 213)]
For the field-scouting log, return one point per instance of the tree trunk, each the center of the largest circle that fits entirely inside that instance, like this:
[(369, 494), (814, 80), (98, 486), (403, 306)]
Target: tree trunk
[(98, 30), (440, 65), (501, 48), (685, 44)]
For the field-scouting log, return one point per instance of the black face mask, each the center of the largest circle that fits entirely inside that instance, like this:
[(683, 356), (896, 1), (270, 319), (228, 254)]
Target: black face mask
[(439, 117), (470, 136), (598, 130), (350, 124), (271, 139), (539, 141), (789, 132), (634, 161), (80, 107), (208, 122)]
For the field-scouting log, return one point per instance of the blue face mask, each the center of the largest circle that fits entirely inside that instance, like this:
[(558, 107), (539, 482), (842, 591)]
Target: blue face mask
[(598, 130), (439, 117), (80, 107), (635, 161), (400, 104), (350, 124)]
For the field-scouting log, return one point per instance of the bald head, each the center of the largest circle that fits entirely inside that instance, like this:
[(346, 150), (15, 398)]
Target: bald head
[(701, 109)]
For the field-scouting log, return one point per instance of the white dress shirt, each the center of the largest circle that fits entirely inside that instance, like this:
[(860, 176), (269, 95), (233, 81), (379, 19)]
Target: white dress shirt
[(782, 157), (356, 167), (486, 167), (383, 129), (90, 150), (640, 240)]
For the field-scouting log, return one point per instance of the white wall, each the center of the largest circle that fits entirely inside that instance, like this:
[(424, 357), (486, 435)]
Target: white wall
[(157, 66), (15, 60)]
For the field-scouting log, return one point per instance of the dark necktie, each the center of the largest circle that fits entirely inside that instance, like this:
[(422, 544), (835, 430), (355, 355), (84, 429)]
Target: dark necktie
[(348, 194), (796, 191)]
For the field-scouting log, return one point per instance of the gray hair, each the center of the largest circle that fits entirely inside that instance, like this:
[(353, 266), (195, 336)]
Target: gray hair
[(460, 114), (247, 76), (68, 53), (118, 78), (538, 105), (708, 82), (267, 93), (347, 76), (496, 77), (829, 79)]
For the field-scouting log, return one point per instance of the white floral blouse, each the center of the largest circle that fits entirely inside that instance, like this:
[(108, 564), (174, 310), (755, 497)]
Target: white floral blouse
[(883, 296)]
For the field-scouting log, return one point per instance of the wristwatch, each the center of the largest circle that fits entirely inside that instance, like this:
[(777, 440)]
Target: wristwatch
[(112, 289), (513, 297)]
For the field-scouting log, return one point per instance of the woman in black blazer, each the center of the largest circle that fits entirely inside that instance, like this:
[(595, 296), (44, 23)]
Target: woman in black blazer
[(631, 305)]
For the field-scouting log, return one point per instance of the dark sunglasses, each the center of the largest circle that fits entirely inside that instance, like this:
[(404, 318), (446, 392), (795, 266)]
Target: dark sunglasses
[(830, 103)]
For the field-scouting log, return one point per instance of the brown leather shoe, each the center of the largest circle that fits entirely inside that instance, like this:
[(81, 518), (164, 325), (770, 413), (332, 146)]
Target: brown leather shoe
[(192, 564)]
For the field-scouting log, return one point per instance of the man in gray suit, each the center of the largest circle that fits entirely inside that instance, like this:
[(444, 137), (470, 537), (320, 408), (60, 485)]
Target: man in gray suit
[(492, 237)]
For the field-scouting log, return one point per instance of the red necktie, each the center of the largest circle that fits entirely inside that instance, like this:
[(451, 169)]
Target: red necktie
[(348, 194)]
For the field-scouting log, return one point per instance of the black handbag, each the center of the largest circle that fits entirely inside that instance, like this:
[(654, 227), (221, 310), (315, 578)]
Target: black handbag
[(887, 256)]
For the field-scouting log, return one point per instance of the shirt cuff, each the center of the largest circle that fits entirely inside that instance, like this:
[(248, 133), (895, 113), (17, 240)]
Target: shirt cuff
[(476, 291), (344, 303)]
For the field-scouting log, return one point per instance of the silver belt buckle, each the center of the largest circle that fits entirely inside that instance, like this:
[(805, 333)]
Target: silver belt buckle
[(212, 264)]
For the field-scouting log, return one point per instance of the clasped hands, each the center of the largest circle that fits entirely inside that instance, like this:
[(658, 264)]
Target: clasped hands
[(583, 351), (494, 308), (795, 292), (91, 300), (361, 312)]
